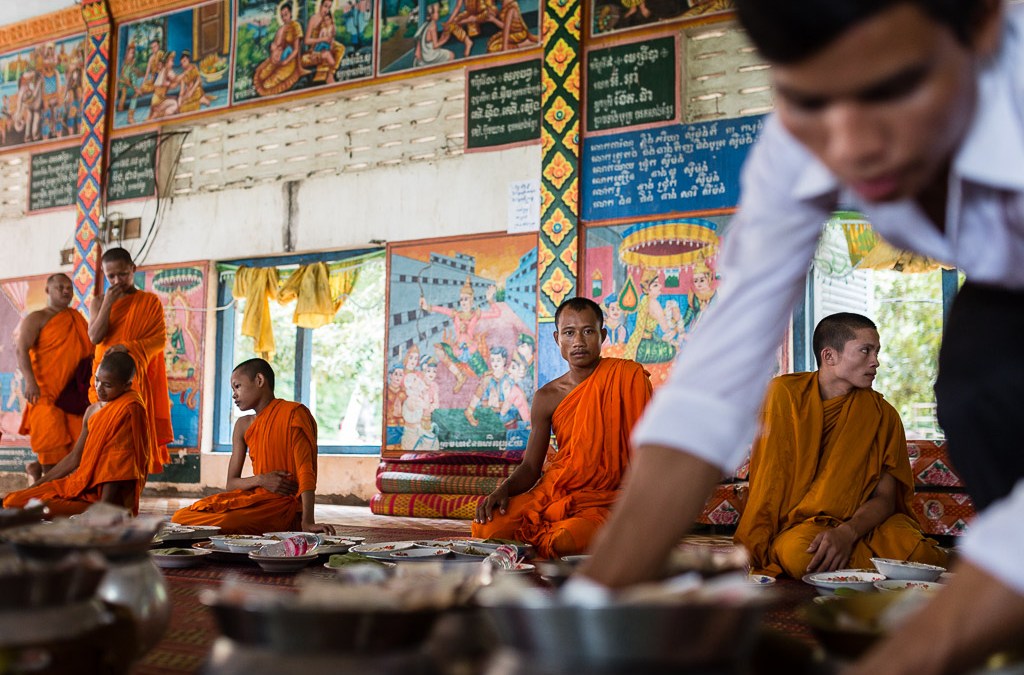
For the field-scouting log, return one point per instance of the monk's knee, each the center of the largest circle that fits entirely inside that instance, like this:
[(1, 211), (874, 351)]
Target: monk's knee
[(789, 549)]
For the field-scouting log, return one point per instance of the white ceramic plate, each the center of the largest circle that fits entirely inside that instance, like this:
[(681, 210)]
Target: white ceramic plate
[(575, 559), (893, 585), (386, 563), (172, 532), (520, 568), (382, 549), (829, 582), (908, 571), (760, 579), (178, 560), (417, 554), (220, 553)]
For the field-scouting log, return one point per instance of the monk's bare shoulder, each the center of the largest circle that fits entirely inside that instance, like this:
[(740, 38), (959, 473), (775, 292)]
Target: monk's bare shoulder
[(551, 394), (243, 424)]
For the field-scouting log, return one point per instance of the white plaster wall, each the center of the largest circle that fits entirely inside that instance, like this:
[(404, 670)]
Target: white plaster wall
[(32, 244)]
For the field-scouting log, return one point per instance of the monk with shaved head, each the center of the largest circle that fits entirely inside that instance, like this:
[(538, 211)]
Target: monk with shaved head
[(129, 317), (51, 344)]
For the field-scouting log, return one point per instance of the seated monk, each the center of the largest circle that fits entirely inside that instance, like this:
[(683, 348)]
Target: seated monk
[(830, 480), (591, 409), (281, 439), (110, 459)]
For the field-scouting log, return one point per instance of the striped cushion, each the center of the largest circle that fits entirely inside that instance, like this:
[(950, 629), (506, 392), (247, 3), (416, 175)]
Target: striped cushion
[(425, 506), (412, 483)]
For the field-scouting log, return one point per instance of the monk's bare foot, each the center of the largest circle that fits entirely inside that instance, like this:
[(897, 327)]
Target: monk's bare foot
[(34, 470)]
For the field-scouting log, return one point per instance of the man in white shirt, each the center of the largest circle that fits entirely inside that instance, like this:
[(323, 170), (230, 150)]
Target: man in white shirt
[(913, 112)]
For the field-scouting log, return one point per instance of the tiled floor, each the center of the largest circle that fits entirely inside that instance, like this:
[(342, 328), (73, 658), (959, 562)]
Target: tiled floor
[(353, 516)]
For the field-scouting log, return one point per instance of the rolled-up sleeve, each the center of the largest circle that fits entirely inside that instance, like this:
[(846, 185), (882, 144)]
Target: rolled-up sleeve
[(708, 405)]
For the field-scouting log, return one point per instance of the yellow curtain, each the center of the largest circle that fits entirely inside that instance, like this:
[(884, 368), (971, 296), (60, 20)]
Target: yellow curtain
[(257, 286)]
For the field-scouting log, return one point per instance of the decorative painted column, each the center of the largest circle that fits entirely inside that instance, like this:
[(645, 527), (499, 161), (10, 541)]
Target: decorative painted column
[(95, 97), (557, 245)]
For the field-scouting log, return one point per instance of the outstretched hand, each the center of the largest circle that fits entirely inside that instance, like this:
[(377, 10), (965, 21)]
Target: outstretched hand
[(832, 549), (315, 528), (279, 482)]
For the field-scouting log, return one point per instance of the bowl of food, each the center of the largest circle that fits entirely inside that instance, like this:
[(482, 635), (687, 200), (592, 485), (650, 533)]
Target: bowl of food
[(420, 554), (855, 580), (212, 68), (896, 585), (281, 563), (849, 626), (906, 570)]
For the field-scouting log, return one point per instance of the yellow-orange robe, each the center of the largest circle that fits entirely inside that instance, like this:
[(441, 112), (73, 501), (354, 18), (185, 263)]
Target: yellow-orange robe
[(62, 343), (137, 322), (116, 449), (281, 438), (814, 464), (569, 504)]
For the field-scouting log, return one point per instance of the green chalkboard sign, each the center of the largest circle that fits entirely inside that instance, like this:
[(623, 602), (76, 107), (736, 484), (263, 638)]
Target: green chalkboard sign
[(633, 84), (53, 177), (503, 105), (132, 172)]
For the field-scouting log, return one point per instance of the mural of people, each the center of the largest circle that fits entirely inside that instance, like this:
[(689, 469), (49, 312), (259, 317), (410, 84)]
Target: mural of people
[(703, 291), (395, 401), (465, 308), (41, 89), (614, 322), (461, 355), (645, 344), (428, 42), (274, 54), (173, 64), (419, 33)]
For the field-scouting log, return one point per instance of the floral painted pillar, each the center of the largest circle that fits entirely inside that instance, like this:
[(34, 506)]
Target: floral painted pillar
[(560, 136), (95, 96)]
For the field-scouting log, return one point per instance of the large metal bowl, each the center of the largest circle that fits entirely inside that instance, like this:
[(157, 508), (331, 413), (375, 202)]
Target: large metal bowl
[(696, 635), (286, 628)]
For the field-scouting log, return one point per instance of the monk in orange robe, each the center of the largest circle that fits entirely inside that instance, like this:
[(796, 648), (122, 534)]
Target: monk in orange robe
[(830, 479), (51, 344), (592, 409), (128, 316), (281, 440), (111, 456)]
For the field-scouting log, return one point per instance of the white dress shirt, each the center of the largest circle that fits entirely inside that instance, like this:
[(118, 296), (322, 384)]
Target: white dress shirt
[(708, 406)]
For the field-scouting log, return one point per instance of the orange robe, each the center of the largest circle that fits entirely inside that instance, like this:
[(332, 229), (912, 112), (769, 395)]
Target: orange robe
[(137, 322), (815, 463), (116, 449), (568, 505), (62, 343), (281, 438)]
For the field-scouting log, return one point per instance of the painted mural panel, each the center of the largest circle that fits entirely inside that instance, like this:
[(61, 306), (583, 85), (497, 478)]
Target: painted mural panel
[(288, 45), (461, 346), (173, 64), (618, 15), (423, 33), (41, 92), (182, 290), (654, 281)]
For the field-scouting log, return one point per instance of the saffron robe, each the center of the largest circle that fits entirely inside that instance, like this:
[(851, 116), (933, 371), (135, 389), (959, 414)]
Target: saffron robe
[(561, 513), (282, 437), (62, 343), (137, 322), (116, 449), (814, 464)]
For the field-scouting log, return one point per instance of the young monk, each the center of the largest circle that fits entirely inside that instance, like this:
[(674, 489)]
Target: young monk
[(110, 459), (281, 440), (128, 316), (51, 343), (830, 479), (592, 409)]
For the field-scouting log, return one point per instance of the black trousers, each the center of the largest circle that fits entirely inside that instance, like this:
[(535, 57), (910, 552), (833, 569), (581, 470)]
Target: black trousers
[(980, 390)]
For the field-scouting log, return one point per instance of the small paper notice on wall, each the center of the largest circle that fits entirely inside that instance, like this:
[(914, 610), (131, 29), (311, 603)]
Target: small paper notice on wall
[(523, 206)]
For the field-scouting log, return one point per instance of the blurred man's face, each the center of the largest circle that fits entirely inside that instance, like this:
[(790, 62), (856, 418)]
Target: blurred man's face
[(885, 105)]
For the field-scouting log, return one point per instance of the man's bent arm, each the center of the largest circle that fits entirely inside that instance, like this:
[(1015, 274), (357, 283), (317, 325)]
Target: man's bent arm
[(665, 492), (28, 333), (70, 461)]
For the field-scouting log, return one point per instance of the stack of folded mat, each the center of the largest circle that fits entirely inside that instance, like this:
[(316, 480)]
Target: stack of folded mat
[(440, 484)]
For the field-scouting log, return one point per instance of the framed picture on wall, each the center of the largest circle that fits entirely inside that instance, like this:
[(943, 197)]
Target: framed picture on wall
[(461, 344)]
